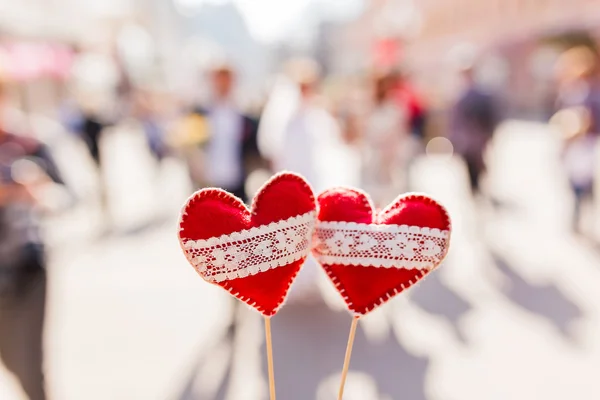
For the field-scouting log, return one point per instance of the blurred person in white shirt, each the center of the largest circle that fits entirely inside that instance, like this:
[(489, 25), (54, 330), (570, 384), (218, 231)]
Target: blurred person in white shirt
[(578, 119), (28, 175), (310, 141)]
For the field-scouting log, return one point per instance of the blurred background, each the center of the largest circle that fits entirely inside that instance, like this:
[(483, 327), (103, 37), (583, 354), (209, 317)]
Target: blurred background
[(112, 113)]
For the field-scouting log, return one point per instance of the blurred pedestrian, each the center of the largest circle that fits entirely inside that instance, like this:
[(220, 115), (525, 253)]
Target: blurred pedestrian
[(93, 127), (95, 80), (231, 134), (578, 114), (146, 112), (385, 143), (473, 120), (25, 166), (410, 99), (311, 136)]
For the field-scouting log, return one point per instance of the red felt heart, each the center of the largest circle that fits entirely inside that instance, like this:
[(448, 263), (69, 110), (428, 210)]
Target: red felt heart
[(256, 271), (372, 256)]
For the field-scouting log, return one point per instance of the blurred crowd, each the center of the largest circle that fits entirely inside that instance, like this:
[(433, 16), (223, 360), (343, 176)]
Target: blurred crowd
[(367, 134)]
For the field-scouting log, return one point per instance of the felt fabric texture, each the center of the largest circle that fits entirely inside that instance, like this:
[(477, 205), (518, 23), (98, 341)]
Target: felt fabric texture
[(214, 212), (365, 288)]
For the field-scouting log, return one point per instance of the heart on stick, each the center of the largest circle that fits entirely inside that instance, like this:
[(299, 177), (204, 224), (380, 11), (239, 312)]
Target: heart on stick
[(372, 256), (256, 253)]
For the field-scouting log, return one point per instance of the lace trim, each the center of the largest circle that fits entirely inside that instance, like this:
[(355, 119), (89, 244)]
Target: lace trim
[(252, 251), (388, 246)]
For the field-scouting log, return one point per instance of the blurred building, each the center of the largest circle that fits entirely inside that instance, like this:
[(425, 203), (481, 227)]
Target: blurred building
[(375, 38), (223, 27), (38, 41), (518, 41)]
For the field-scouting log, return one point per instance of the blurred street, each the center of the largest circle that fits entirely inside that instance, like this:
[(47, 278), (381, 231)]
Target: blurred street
[(513, 314)]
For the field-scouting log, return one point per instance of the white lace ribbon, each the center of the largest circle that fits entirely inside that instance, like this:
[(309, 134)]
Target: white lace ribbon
[(252, 251), (388, 246)]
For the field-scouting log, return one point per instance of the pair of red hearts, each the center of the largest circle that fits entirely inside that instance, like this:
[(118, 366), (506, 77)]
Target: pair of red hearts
[(256, 254)]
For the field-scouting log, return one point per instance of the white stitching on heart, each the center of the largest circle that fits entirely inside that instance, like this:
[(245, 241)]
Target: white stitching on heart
[(251, 251)]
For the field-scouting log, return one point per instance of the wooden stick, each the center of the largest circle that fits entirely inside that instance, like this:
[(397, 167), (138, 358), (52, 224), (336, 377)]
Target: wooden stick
[(270, 358), (348, 355)]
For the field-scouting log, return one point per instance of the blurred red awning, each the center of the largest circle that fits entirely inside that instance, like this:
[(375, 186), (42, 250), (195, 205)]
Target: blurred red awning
[(387, 52), (24, 61)]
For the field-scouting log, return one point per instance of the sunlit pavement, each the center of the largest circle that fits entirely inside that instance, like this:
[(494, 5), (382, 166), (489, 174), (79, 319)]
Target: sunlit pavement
[(513, 314)]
